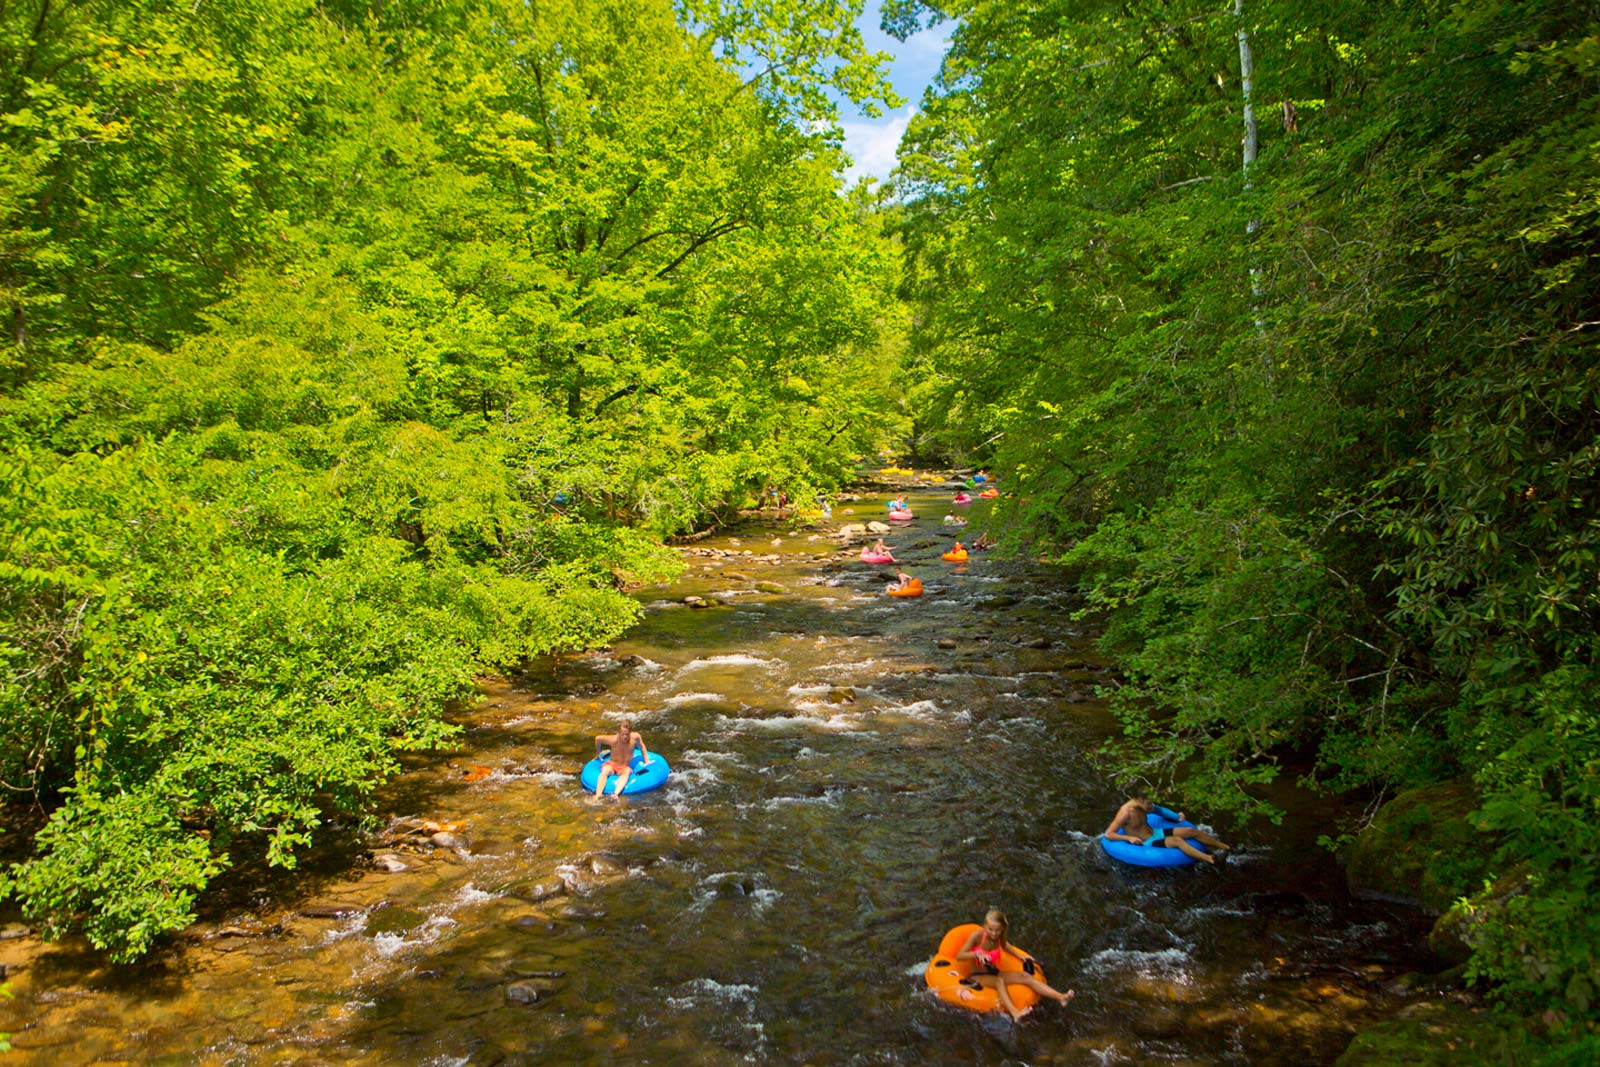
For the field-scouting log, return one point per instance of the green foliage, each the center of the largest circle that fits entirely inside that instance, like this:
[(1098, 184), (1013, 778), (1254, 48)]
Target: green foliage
[(352, 352), (1323, 437)]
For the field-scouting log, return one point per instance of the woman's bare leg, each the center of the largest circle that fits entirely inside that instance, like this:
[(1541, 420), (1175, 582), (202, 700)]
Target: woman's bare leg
[(1042, 988)]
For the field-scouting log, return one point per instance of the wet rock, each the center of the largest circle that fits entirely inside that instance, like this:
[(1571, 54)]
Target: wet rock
[(389, 862), (698, 603), (735, 576), (605, 867), (582, 911), (693, 600), (529, 992), (329, 911), (1040, 642), (446, 839), (12, 931), (541, 891), (879, 527), (840, 694), (532, 923), (851, 529), (770, 587), (947, 642)]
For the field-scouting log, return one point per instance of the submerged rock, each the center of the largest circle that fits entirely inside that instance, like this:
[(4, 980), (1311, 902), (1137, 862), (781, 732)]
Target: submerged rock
[(393, 920), (529, 992)]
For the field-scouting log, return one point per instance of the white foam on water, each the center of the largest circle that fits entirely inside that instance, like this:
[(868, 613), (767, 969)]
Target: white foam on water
[(838, 724), (732, 659), (555, 779), (1168, 963), (806, 752), (681, 699), (916, 968), (829, 799), (470, 894), (691, 756), (657, 605), (387, 945), (1214, 911), (345, 927), (691, 778), (447, 1061), (708, 992), (798, 690)]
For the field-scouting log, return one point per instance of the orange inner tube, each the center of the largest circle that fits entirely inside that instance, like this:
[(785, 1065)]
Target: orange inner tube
[(955, 557), (951, 978), (913, 588), (989, 494)]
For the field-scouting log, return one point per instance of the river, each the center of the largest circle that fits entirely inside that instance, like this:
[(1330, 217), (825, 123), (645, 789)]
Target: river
[(853, 775)]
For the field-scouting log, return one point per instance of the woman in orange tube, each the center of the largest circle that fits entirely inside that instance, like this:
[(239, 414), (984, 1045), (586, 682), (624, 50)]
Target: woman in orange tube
[(985, 947)]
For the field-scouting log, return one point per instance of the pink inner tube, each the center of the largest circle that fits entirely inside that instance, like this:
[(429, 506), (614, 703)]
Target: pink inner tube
[(901, 516), (871, 557)]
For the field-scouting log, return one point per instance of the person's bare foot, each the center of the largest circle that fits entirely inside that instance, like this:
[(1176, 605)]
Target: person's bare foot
[(1066, 998)]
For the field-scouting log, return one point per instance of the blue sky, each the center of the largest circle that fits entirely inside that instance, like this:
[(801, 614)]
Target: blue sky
[(872, 142)]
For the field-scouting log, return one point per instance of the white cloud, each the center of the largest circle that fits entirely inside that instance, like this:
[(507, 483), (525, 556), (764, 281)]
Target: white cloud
[(872, 143)]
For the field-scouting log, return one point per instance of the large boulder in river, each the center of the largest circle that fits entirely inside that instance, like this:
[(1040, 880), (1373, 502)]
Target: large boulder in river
[(879, 527), (1421, 847), (851, 529)]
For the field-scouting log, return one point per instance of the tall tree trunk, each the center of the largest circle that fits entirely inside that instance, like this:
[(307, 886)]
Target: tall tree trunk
[(1247, 74)]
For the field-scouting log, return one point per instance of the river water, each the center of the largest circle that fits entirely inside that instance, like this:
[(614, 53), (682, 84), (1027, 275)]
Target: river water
[(844, 790)]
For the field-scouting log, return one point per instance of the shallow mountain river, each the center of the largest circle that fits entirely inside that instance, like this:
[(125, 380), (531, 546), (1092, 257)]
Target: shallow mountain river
[(852, 775)]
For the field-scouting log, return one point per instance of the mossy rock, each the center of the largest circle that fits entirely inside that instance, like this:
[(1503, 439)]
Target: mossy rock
[(1458, 932), (1422, 847), (1433, 1035)]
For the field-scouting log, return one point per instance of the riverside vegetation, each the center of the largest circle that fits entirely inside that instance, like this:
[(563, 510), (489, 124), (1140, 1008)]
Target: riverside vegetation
[(351, 350), (1317, 417)]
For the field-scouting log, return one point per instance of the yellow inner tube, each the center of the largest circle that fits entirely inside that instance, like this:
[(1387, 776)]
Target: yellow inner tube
[(952, 979), (955, 557)]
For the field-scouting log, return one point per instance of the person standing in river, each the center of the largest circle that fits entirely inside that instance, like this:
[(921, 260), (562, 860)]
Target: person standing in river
[(984, 947), (620, 760), (1132, 825)]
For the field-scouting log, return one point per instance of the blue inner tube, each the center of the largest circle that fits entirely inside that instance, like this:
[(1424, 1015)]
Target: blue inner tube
[(645, 776), (1145, 855)]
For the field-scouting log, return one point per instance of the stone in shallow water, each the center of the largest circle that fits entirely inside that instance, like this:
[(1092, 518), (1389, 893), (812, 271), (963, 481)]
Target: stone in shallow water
[(392, 920), (540, 891), (529, 992)]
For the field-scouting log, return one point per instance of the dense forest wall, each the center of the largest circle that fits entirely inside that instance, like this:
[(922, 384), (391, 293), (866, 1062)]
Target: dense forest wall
[(350, 349), (1299, 363)]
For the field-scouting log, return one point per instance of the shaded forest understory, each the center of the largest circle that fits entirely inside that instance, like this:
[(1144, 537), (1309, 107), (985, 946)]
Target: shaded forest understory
[(353, 349)]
